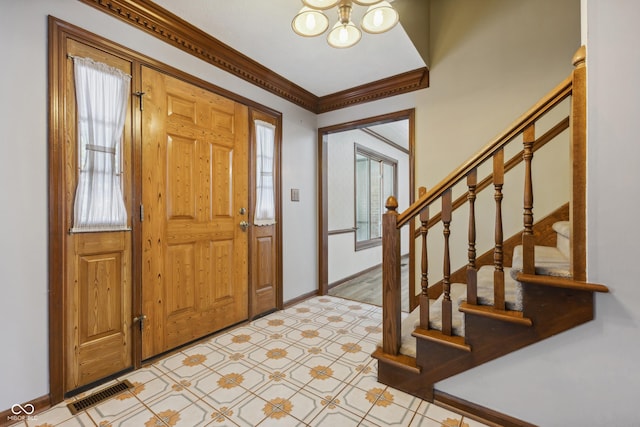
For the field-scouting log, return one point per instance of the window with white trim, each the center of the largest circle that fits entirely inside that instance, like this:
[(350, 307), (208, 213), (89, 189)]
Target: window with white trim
[(375, 181)]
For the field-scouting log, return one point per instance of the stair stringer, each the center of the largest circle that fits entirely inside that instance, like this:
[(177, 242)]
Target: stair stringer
[(551, 310)]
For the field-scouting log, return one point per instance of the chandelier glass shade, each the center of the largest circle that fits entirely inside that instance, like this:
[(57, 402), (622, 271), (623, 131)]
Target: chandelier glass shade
[(311, 21)]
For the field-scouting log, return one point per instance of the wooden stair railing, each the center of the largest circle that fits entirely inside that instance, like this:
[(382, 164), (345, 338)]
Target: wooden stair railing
[(573, 86), (475, 187)]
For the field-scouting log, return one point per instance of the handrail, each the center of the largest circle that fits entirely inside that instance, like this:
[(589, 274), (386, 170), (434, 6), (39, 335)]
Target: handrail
[(553, 98), (560, 127)]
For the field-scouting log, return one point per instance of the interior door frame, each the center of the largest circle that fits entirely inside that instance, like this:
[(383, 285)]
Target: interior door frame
[(59, 32), (323, 196)]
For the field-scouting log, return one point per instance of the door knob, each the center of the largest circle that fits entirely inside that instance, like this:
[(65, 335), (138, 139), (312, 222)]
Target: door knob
[(244, 225)]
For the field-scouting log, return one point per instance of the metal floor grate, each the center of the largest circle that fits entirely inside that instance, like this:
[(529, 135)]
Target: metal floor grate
[(99, 396)]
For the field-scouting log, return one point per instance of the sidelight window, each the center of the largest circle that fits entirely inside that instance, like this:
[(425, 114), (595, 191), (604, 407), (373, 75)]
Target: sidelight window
[(265, 209), (102, 94)]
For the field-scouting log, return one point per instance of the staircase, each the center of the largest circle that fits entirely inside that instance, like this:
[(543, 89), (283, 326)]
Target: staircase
[(529, 292)]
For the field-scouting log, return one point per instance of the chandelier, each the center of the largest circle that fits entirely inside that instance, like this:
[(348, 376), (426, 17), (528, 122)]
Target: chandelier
[(311, 20)]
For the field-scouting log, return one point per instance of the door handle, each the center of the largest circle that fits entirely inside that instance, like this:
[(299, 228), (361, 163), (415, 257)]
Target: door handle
[(140, 319), (244, 225)]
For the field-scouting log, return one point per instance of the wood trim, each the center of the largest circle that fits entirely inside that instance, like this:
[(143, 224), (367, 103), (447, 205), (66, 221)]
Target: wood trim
[(56, 50), (579, 169), (353, 276), (413, 298), (561, 282), (341, 231), (477, 412), (452, 341), (323, 197), (164, 25), (493, 313), (323, 213), (299, 299), (40, 404), (384, 88), (400, 361)]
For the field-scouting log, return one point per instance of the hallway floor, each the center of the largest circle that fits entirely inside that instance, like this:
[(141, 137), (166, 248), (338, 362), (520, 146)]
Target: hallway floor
[(308, 365), (367, 287)]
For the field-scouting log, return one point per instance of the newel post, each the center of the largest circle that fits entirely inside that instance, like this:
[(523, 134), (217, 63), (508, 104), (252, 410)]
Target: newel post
[(391, 279), (577, 214)]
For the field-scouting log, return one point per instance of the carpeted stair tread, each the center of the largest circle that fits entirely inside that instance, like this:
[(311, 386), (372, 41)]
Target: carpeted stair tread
[(563, 228), (458, 295), (550, 261), (563, 236), (409, 324), (512, 289), (509, 316)]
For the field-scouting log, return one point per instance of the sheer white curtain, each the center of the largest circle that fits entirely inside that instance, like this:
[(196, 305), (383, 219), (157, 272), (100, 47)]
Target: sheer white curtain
[(265, 210), (102, 93)]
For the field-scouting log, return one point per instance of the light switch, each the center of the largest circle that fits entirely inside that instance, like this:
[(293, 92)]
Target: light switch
[(295, 195)]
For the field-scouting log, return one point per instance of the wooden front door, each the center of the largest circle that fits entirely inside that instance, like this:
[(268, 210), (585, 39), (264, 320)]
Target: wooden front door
[(97, 278), (195, 197)]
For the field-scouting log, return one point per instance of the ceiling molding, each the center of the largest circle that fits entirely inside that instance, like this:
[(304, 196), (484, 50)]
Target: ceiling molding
[(159, 22), (395, 85)]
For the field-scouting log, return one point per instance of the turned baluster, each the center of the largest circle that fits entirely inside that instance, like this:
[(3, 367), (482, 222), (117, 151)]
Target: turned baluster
[(528, 245), (446, 284), (424, 280), (498, 256), (391, 324), (472, 272)]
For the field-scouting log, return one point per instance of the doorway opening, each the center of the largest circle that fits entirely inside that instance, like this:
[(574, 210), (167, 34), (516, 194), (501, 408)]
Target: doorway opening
[(363, 163)]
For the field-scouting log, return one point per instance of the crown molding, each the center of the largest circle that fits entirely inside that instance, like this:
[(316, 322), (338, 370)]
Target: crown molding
[(391, 86), (159, 22)]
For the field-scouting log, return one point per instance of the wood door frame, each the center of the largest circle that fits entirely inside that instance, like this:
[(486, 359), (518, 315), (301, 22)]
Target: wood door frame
[(58, 33), (323, 196)]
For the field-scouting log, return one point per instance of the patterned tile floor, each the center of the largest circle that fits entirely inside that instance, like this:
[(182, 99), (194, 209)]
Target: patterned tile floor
[(308, 365)]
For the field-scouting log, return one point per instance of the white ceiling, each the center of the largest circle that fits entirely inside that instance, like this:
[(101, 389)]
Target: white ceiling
[(261, 30), (397, 131)]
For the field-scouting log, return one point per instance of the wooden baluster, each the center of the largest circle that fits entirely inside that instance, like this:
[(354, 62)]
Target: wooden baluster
[(528, 244), (472, 272), (446, 284), (498, 274), (391, 311), (424, 280)]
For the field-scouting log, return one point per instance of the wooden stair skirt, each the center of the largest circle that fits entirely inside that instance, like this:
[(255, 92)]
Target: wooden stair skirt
[(549, 309), (538, 306)]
